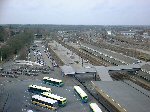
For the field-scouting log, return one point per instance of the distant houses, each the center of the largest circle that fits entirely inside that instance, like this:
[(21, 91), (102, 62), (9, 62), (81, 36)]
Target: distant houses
[(38, 35), (128, 33)]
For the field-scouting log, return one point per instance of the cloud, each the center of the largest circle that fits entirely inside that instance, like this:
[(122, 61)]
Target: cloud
[(75, 11)]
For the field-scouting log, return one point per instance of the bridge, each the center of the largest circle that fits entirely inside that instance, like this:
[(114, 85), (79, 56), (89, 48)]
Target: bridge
[(102, 71)]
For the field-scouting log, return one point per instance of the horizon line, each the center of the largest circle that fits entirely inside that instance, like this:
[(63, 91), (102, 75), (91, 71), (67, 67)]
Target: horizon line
[(77, 24)]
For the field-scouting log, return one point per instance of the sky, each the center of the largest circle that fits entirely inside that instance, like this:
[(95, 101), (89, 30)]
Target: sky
[(75, 12)]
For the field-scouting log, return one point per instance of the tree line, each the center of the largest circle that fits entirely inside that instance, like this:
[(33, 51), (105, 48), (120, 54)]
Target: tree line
[(15, 44)]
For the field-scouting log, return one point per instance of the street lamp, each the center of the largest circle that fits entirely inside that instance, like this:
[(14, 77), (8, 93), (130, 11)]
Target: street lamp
[(1, 56)]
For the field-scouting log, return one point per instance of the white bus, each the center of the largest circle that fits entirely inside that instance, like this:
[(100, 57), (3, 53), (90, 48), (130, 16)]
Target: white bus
[(61, 101), (94, 107), (53, 82), (81, 94), (38, 89), (44, 102)]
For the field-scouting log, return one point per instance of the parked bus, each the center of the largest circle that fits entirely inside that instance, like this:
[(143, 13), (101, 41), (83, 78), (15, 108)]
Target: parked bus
[(94, 107), (81, 94), (38, 89), (44, 102), (54, 82), (61, 101)]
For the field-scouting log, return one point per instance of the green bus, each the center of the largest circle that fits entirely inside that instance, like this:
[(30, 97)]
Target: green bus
[(81, 94), (61, 101), (44, 102), (53, 82), (38, 89)]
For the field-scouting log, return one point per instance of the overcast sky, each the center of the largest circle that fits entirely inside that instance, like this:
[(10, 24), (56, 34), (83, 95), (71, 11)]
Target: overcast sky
[(78, 12)]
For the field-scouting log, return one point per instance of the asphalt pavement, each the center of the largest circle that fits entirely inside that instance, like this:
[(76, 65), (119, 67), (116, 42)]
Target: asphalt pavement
[(14, 96)]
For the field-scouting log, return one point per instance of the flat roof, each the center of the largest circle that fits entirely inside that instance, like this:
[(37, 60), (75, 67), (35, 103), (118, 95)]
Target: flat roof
[(86, 70), (127, 96), (142, 90), (67, 69), (103, 73), (124, 67)]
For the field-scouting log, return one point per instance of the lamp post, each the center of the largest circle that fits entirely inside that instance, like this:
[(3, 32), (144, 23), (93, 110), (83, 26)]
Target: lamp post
[(1, 56)]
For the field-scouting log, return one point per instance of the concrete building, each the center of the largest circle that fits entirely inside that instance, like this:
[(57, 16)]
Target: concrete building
[(109, 33), (65, 40), (146, 35)]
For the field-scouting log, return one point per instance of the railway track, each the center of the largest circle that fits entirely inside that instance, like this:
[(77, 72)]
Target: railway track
[(93, 60), (56, 58), (140, 83), (122, 76), (93, 95), (102, 62), (97, 62)]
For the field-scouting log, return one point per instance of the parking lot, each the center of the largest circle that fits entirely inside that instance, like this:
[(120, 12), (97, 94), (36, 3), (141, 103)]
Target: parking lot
[(15, 97)]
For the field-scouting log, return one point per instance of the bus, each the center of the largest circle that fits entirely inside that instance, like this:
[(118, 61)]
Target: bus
[(38, 89), (53, 82), (44, 102), (61, 101), (94, 107), (81, 94)]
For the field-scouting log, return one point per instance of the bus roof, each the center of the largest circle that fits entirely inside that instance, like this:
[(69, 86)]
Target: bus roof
[(45, 77), (56, 80), (48, 100), (52, 79), (53, 96), (80, 91), (40, 87), (95, 107)]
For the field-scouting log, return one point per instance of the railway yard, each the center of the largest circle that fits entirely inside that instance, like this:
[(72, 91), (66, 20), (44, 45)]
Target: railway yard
[(74, 56), (88, 67)]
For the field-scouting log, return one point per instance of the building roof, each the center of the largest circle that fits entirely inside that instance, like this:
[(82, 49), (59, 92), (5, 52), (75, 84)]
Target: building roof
[(142, 90), (125, 95), (124, 67), (103, 73), (86, 70), (67, 69)]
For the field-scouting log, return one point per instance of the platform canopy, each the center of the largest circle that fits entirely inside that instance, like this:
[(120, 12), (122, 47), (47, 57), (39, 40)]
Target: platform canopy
[(67, 70), (103, 73), (85, 70)]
